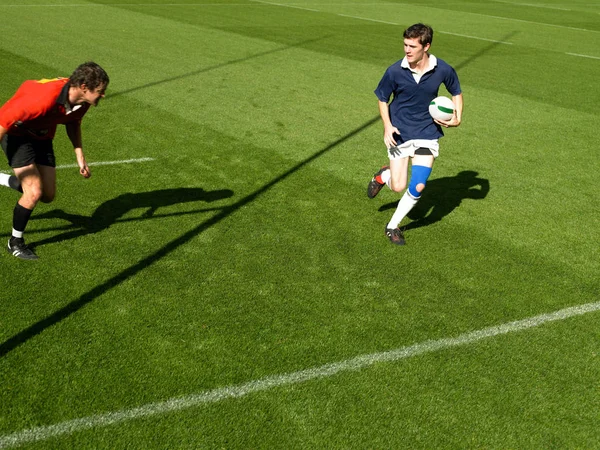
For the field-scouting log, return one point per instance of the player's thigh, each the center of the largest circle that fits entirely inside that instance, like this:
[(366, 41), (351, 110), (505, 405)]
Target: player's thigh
[(399, 173), (423, 160), (31, 180), (48, 180)]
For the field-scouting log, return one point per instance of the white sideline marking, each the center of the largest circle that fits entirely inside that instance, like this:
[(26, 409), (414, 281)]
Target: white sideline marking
[(101, 163), (216, 395), (441, 32), (128, 4), (512, 19), (533, 5), (287, 6), (370, 20), (475, 37), (107, 163), (582, 56), (476, 14), (304, 8)]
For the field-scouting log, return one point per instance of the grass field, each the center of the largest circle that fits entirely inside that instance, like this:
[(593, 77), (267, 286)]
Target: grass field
[(222, 280)]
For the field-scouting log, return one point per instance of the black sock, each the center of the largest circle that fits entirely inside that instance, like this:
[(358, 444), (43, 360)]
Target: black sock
[(21, 217)]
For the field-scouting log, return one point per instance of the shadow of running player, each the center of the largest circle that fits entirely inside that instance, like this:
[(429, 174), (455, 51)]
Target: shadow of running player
[(442, 196), (112, 210)]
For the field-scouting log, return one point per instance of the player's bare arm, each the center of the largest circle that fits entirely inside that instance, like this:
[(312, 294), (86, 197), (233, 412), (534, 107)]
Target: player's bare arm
[(388, 128), (74, 133)]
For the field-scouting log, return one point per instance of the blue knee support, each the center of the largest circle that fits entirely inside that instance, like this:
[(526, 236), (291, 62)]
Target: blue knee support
[(419, 175)]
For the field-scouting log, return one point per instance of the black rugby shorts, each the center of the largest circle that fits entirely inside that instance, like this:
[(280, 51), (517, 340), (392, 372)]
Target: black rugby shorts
[(22, 151)]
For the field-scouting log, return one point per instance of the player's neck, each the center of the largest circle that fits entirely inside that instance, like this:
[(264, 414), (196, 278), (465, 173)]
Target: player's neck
[(75, 96), (421, 65)]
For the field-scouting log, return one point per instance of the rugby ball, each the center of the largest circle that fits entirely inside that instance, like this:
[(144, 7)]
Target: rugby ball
[(441, 108)]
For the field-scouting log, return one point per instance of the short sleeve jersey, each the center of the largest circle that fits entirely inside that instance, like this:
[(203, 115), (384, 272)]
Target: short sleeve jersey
[(38, 107), (409, 109)]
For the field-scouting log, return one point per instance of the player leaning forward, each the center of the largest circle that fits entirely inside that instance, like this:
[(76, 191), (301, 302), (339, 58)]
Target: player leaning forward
[(28, 124), (409, 130)]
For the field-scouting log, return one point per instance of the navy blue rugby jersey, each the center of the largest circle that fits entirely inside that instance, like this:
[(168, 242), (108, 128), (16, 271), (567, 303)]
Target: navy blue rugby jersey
[(409, 109)]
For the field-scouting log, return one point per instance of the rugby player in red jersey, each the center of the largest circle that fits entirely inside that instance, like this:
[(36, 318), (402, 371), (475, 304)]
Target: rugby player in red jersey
[(28, 123)]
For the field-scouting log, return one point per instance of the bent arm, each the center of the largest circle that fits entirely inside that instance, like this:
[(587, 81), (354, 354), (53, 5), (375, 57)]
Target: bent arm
[(458, 111), (458, 105)]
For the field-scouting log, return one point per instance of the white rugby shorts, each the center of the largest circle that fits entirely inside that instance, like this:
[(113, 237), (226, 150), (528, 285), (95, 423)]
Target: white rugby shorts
[(408, 148)]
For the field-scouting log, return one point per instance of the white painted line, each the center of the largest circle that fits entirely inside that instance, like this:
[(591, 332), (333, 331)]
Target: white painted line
[(303, 8), (370, 20), (287, 6), (475, 37), (107, 163), (226, 5), (263, 384), (512, 19), (583, 56), (101, 163), (441, 32), (476, 14), (532, 5)]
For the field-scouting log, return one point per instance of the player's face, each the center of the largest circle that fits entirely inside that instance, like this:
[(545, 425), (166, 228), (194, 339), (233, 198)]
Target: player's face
[(414, 51), (93, 96)]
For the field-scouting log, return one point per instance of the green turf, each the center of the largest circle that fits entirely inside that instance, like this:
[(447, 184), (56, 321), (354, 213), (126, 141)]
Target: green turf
[(247, 247)]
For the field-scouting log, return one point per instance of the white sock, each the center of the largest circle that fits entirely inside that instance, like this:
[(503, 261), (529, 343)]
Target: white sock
[(17, 234), (4, 177), (386, 177), (406, 203)]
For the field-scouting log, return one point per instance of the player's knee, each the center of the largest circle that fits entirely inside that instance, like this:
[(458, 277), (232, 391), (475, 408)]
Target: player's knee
[(397, 186), (418, 180), (33, 194), (47, 197)]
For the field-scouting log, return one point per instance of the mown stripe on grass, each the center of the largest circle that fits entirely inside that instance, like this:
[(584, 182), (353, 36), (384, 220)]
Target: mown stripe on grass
[(287, 379), (513, 19)]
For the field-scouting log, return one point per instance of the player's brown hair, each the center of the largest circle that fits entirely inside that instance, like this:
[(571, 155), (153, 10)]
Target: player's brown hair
[(422, 32), (90, 74)]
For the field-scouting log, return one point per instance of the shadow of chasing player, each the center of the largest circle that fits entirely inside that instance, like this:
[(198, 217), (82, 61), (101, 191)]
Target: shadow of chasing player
[(109, 212), (442, 196)]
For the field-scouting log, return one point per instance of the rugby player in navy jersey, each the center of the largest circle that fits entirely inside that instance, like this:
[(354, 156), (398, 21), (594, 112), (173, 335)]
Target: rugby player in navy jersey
[(409, 130)]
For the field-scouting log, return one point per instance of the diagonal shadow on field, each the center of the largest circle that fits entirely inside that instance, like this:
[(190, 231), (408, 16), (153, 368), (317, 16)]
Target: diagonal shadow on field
[(91, 295), (444, 195), (109, 212), (484, 50), (74, 221), (74, 306), (216, 66)]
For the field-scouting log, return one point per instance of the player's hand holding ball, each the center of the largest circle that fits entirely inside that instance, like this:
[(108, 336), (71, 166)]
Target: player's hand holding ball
[(443, 112)]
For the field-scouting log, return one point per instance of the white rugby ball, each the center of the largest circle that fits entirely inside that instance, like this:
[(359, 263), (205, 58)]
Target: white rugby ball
[(441, 108)]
